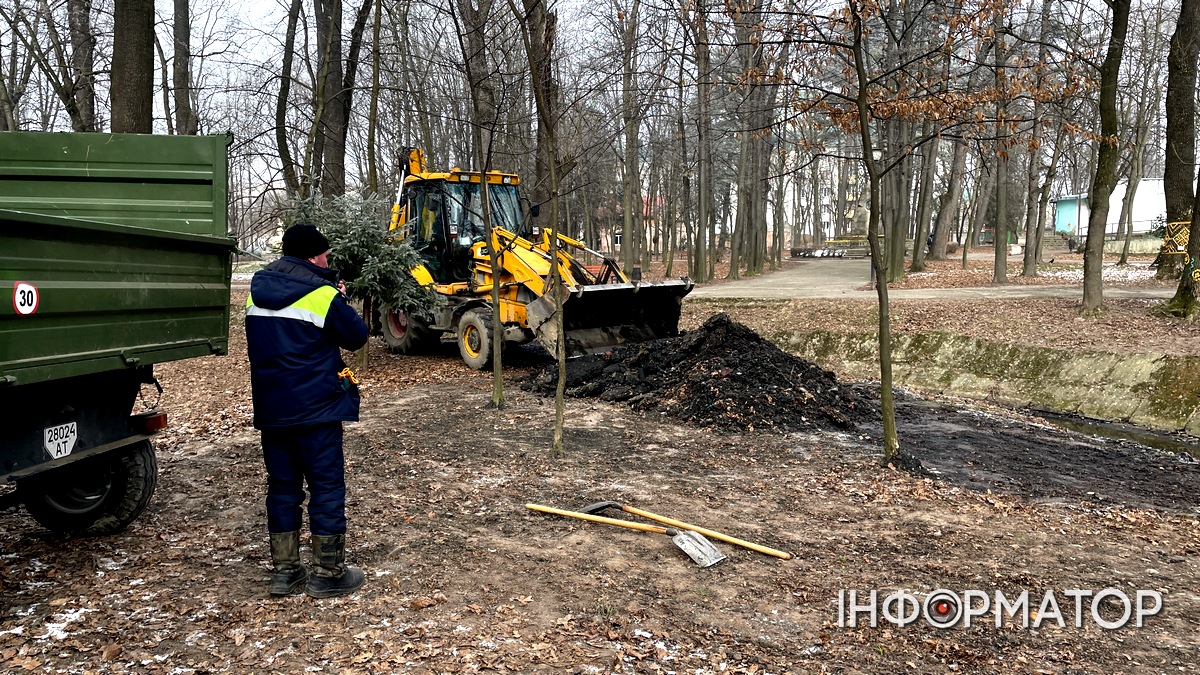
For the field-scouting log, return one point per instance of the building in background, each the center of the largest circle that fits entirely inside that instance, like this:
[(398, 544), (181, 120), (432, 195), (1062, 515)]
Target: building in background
[(1071, 212)]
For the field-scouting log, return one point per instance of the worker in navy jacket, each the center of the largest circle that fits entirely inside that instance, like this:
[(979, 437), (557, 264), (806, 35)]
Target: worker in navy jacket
[(297, 323)]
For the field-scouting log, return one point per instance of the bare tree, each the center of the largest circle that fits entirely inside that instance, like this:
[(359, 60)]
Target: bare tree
[(537, 27), (697, 23), (373, 115), (628, 21), (290, 175), (485, 105), (1108, 153), (891, 440), (1000, 231), (16, 70), (66, 69), (1033, 176)]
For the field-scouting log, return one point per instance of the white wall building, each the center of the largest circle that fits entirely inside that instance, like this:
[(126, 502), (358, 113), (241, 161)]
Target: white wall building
[(1071, 212)]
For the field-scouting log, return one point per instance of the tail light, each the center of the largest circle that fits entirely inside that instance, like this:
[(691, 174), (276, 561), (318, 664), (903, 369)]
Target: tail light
[(148, 423)]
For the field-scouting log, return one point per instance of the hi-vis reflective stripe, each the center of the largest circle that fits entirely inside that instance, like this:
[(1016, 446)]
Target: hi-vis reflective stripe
[(311, 308)]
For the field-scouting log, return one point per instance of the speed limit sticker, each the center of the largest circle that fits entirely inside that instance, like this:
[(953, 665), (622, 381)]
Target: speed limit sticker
[(25, 298)]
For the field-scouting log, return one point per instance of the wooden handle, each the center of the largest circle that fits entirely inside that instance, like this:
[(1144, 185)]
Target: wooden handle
[(708, 533), (598, 519)]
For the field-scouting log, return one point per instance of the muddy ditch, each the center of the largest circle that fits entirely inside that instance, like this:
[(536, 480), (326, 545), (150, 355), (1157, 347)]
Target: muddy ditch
[(726, 377)]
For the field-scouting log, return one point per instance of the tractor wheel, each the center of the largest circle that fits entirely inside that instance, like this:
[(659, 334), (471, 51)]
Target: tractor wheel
[(405, 333), (96, 496), (475, 339)]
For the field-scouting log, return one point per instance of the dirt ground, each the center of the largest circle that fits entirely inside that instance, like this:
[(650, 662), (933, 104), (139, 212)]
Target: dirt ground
[(463, 578)]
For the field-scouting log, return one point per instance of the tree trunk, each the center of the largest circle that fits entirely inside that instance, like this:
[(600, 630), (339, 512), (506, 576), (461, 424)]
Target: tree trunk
[(902, 202), (704, 187), (891, 441), (350, 77), (777, 228), (542, 27), (373, 115), (650, 222), (8, 118), (482, 91), (1033, 212), (186, 122), (1108, 153), (132, 89), (948, 206), (631, 200), (985, 184), (684, 199), (925, 202), (1186, 301), (1033, 178), (1179, 169), (739, 224), (538, 32), (166, 86), (797, 208), (1044, 193), (839, 211), (1126, 217), (815, 179), (83, 56), (1000, 231), (336, 91), (291, 178)]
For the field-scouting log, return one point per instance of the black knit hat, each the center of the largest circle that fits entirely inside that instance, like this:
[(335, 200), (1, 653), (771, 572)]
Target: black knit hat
[(304, 241)]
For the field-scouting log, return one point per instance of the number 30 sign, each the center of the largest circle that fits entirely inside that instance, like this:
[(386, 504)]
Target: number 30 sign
[(25, 298)]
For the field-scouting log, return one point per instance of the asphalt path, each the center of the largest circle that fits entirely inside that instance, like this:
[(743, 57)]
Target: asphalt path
[(844, 277), (847, 277)]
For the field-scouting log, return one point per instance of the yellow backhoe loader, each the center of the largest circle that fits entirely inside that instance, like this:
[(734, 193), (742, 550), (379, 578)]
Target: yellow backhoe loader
[(441, 214)]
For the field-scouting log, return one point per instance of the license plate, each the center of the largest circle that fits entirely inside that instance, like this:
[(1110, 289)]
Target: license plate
[(59, 440)]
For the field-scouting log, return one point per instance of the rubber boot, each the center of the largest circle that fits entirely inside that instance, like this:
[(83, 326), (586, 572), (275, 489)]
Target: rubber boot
[(289, 575), (331, 577)]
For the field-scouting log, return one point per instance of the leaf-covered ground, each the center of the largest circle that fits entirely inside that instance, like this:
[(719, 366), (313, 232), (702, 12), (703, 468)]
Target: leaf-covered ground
[(463, 578)]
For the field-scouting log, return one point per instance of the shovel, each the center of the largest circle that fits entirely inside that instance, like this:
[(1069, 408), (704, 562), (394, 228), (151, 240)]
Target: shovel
[(693, 544), (593, 509)]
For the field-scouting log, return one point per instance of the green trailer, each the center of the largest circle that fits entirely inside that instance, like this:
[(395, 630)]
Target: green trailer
[(115, 253)]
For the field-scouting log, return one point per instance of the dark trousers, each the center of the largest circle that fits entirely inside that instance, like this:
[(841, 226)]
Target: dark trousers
[(299, 455)]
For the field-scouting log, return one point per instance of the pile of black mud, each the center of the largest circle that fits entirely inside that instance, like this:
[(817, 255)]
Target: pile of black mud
[(721, 375)]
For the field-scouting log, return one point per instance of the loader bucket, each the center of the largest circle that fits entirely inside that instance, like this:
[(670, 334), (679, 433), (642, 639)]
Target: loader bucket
[(598, 317)]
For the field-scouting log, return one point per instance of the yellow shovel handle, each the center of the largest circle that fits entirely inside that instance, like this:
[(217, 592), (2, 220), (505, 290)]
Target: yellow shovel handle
[(598, 519), (708, 533)]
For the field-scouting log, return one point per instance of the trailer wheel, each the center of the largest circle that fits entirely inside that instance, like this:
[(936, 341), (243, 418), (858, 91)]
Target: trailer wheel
[(94, 497), (475, 339), (405, 333)]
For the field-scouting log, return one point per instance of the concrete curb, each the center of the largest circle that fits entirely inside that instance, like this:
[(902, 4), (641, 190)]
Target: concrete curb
[(1156, 391)]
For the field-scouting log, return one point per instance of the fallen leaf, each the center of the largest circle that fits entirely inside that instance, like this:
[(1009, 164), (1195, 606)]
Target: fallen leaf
[(422, 603)]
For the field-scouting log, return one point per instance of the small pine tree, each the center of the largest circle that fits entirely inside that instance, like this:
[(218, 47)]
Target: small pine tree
[(375, 265)]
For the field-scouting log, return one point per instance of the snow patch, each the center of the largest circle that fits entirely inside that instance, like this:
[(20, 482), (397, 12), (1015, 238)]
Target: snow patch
[(1109, 273), (58, 629)]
